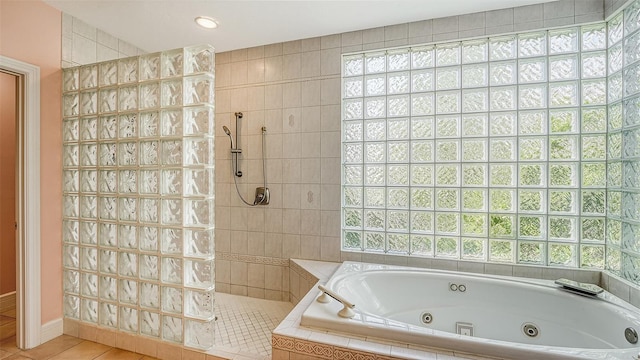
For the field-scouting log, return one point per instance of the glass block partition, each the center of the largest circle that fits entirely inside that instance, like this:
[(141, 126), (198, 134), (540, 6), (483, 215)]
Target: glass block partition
[(138, 196), (490, 149), (623, 210)]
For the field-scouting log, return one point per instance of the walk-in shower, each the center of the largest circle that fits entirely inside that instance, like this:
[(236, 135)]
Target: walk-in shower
[(262, 193)]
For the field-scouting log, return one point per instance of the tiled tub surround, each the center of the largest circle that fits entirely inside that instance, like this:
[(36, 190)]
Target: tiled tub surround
[(138, 193), (293, 341)]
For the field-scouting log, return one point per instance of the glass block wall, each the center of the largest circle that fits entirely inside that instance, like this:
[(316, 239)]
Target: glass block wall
[(491, 149), (623, 235), (138, 195)]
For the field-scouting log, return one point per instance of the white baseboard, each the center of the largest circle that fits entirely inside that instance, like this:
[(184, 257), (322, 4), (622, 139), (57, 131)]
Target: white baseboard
[(51, 330), (7, 301)]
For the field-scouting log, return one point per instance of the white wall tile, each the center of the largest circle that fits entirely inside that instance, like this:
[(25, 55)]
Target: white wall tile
[(445, 25), (310, 64), (311, 145), (330, 41), (559, 9), (373, 35), (311, 93), (255, 53), (239, 55), (330, 61), (523, 14), (291, 66), (310, 200), (351, 38), (105, 53), (310, 118), (310, 170), (239, 73), (471, 21), (583, 7), (395, 32), (499, 17), (273, 68), (311, 44), (107, 40), (255, 71), (420, 28), (83, 29), (84, 50), (292, 47)]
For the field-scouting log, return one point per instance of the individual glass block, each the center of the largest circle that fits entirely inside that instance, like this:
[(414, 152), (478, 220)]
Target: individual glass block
[(563, 41), (172, 63), (502, 48), (89, 128), (563, 67), (631, 18), (353, 131), (108, 288), (71, 105), (475, 101), (128, 319), (108, 73), (398, 175), (373, 219), (614, 203), (631, 83), (88, 76), (89, 284), (502, 251), (171, 91), (474, 150), (375, 63), (531, 252), (562, 201), (447, 151), (446, 247), (70, 130), (127, 266), (448, 78), (503, 98), (128, 181), (594, 174), (594, 147), (614, 260), (421, 127), (71, 281), (614, 92), (594, 65), (172, 329), (108, 181), (108, 261), (149, 323), (399, 128), (148, 238), (374, 152), (149, 124), (398, 198), (474, 249), (70, 181), (128, 70), (198, 213), (353, 218), (172, 270), (531, 201), (502, 175), (563, 121), (474, 200), (149, 95), (108, 100), (532, 175), (631, 237), (108, 234), (149, 295), (502, 226), (593, 202), (171, 152), (70, 231), (592, 256), (171, 300), (502, 200), (128, 290), (448, 126), (89, 311), (594, 37), (107, 153), (531, 227), (448, 54), (563, 94), (149, 267), (474, 51), (127, 236), (89, 260), (88, 102), (70, 79), (448, 102), (88, 207), (614, 174), (563, 175), (398, 151), (148, 153), (198, 243), (447, 199), (71, 206), (128, 209), (475, 76), (198, 151), (503, 124), (503, 73), (532, 148), (374, 130), (562, 254), (71, 306), (353, 175), (615, 57), (199, 334), (422, 80), (353, 197), (533, 96), (199, 274), (422, 57), (447, 175), (614, 232), (447, 223), (631, 175), (88, 154), (128, 98), (474, 224), (421, 174), (398, 60), (198, 90), (502, 149), (562, 228), (398, 243), (149, 66), (421, 245), (353, 109), (375, 108), (594, 120), (563, 147), (614, 148), (353, 87), (353, 65), (474, 125), (199, 59), (422, 104), (532, 44), (532, 70), (89, 232), (398, 106)]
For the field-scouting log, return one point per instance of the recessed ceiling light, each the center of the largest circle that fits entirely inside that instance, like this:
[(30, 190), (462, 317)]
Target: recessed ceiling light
[(206, 22)]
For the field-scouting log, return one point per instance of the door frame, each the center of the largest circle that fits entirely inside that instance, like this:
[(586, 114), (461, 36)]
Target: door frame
[(28, 290)]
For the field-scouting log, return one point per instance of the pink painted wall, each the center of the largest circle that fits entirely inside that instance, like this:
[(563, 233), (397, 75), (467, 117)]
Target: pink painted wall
[(7, 183), (31, 31)]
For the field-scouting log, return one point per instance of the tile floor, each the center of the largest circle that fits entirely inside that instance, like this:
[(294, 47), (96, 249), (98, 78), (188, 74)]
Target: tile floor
[(244, 326)]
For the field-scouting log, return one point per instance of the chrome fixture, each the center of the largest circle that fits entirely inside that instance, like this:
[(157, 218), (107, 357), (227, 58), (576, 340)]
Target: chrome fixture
[(631, 335), (426, 318), (262, 193), (579, 288), (347, 310), (457, 287), (529, 329)]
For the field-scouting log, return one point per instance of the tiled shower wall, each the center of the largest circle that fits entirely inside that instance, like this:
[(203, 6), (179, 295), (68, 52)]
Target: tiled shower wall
[(294, 89)]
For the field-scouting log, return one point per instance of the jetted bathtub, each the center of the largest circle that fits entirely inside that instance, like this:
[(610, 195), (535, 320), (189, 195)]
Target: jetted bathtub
[(483, 314)]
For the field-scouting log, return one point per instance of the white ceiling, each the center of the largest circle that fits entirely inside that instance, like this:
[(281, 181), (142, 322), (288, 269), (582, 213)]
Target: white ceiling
[(155, 25)]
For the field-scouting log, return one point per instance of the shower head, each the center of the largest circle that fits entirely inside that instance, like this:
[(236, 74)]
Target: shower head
[(226, 130)]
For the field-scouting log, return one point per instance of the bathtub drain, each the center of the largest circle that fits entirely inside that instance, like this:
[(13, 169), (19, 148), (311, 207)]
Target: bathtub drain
[(530, 330), (426, 318), (631, 335)]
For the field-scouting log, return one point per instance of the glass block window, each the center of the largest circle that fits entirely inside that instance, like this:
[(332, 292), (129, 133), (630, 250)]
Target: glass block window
[(138, 195), (623, 155), (491, 149)]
